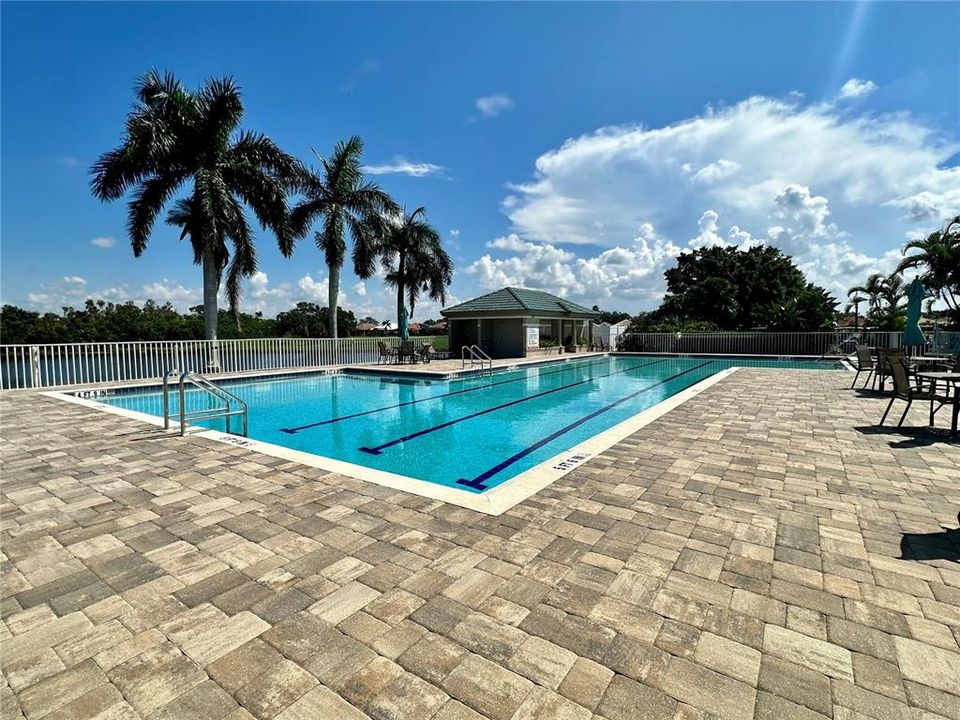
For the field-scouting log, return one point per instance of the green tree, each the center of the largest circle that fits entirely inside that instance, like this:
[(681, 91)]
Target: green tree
[(938, 256), (313, 321), (340, 198), (413, 257), (176, 137), (730, 289), (611, 316)]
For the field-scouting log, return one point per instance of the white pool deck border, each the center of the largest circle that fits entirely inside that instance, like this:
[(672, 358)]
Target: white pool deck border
[(494, 501)]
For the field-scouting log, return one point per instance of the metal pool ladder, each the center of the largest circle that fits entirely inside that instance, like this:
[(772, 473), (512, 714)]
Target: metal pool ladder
[(476, 354), (227, 410)]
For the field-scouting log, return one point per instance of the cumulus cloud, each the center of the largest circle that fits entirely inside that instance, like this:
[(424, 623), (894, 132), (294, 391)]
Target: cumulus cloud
[(402, 166), (103, 242), (631, 272), (822, 183), (493, 105), (856, 88), (172, 291)]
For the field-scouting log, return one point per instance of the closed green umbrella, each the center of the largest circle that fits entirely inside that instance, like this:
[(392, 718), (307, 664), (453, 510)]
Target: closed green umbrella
[(404, 324), (913, 335)]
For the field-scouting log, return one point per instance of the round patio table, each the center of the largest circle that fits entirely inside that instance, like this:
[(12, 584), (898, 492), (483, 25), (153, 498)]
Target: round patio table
[(951, 379)]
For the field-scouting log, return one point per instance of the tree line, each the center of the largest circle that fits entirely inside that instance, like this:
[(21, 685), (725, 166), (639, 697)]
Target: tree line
[(100, 321)]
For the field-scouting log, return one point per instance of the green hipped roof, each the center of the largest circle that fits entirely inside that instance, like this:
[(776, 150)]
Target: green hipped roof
[(518, 300)]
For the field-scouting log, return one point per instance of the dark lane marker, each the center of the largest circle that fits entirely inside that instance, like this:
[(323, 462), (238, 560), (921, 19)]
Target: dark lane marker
[(566, 367), (479, 482), (380, 448)]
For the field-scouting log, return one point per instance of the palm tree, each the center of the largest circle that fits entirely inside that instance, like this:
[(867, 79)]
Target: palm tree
[(340, 197), (855, 298), (872, 289), (413, 258), (175, 136), (940, 257)]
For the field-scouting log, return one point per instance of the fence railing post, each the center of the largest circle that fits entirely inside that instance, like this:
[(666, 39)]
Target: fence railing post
[(35, 366)]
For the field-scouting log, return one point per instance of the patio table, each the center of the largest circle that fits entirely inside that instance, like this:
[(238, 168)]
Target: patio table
[(949, 379)]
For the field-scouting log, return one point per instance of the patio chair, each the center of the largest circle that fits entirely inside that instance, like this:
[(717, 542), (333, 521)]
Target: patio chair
[(865, 363), (882, 370), (387, 354), (427, 353), (406, 351), (599, 344), (903, 390)]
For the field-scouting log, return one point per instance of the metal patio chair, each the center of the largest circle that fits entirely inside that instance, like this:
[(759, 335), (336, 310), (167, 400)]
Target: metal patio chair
[(903, 390), (387, 354), (865, 363)]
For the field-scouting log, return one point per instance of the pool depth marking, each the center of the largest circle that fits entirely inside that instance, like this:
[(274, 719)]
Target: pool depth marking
[(380, 448), (479, 482), (566, 366)]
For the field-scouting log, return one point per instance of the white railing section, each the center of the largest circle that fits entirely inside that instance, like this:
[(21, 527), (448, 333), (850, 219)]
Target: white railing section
[(50, 366), (779, 344)]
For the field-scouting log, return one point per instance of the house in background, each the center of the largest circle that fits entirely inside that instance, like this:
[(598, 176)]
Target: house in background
[(518, 322)]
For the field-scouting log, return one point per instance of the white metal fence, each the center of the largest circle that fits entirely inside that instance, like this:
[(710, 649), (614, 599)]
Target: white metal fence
[(48, 366), (771, 343)]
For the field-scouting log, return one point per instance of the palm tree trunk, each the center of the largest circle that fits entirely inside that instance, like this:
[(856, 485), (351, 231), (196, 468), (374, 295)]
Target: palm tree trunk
[(401, 269), (211, 286), (333, 298)]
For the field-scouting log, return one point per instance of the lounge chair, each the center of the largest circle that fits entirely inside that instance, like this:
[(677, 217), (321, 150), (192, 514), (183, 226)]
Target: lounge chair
[(427, 353), (903, 390), (865, 363)]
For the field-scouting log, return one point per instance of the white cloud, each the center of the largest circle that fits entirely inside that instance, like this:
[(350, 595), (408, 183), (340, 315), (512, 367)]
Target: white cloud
[(103, 242), (493, 105), (632, 272), (708, 235), (360, 289), (714, 171), (856, 88), (172, 291), (402, 166), (67, 161), (817, 180)]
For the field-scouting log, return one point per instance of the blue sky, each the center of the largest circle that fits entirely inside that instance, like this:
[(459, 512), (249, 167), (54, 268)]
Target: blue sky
[(572, 147)]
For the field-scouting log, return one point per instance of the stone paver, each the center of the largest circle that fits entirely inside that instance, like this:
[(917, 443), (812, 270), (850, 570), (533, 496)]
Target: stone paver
[(759, 552)]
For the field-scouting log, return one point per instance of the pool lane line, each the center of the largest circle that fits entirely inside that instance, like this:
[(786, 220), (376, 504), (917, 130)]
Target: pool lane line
[(566, 367), (479, 482), (463, 418)]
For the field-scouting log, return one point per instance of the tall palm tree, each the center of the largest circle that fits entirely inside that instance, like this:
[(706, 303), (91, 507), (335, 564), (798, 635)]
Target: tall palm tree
[(339, 196), (939, 256), (176, 137), (413, 258)]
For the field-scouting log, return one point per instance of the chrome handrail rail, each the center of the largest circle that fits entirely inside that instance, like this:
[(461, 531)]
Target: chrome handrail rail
[(201, 383), (476, 353)]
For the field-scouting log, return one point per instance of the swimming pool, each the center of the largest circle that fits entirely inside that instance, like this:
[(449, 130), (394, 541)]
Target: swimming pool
[(471, 434)]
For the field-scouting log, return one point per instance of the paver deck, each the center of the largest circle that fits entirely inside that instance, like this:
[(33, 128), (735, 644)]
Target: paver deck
[(758, 552)]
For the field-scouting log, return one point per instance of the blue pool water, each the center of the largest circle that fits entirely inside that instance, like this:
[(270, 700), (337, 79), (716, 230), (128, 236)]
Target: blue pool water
[(472, 433)]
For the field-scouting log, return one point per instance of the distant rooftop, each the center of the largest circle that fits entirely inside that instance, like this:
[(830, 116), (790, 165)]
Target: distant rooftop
[(518, 301)]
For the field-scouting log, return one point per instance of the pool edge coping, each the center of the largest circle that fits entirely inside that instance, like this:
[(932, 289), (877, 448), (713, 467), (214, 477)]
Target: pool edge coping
[(495, 501)]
